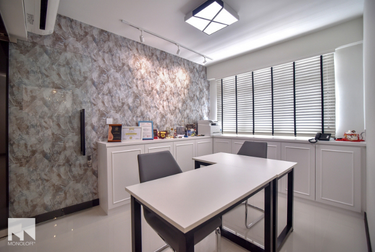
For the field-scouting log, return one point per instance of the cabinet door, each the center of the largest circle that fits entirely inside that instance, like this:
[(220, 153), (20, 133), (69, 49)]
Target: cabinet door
[(124, 167), (151, 148), (222, 145), (338, 175), (203, 147), (236, 145), (273, 152), (184, 152), (304, 171)]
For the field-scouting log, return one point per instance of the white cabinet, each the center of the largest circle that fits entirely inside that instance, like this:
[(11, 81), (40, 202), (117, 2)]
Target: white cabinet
[(338, 176), (118, 164), (329, 173), (222, 145), (273, 150), (167, 146), (304, 171), (203, 146), (236, 145), (118, 168), (184, 151)]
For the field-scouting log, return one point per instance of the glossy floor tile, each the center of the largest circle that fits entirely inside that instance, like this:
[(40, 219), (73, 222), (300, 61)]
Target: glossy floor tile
[(316, 228)]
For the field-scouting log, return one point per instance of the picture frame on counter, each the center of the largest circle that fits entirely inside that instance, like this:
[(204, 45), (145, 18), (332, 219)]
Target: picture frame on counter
[(148, 129), (114, 132), (132, 133)]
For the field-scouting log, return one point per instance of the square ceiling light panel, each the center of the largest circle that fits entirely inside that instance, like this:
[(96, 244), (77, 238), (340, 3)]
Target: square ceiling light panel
[(212, 16)]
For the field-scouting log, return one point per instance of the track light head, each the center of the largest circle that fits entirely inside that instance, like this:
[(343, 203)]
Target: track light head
[(204, 61), (178, 50), (141, 38)]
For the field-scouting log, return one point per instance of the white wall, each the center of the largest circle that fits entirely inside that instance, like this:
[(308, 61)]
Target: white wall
[(369, 77), (349, 89), (323, 41)]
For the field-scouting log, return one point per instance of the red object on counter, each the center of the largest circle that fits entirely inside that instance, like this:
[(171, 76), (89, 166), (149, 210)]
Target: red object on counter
[(346, 140)]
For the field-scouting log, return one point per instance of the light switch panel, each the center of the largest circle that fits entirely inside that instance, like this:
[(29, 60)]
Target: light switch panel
[(109, 121)]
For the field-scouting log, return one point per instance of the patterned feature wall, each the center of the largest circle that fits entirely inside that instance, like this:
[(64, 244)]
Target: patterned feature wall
[(79, 66)]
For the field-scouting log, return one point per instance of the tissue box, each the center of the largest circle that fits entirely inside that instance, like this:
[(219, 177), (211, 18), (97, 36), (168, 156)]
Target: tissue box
[(351, 136)]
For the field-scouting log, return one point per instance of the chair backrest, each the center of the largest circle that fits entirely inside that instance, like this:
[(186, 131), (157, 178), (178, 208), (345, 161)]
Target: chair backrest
[(156, 165), (254, 149)]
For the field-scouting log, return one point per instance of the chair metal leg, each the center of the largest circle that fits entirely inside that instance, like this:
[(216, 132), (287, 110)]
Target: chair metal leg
[(218, 239), (250, 225), (163, 248)]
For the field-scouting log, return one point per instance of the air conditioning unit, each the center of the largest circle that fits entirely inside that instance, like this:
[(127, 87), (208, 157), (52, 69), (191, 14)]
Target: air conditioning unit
[(41, 15)]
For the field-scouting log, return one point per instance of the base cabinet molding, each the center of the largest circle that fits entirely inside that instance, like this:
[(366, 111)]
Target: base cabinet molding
[(338, 176), (151, 148), (184, 153), (118, 168), (304, 172), (273, 148), (203, 147), (222, 145)]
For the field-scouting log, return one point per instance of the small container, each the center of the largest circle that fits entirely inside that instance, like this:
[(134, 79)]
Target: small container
[(163, 134), (156, 134), (351, 136)]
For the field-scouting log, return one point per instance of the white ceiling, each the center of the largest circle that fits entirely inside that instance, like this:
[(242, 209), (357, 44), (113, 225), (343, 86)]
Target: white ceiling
[(262, 22)]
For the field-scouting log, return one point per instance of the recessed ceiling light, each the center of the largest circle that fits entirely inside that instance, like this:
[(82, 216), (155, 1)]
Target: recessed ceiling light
[(212, 16)]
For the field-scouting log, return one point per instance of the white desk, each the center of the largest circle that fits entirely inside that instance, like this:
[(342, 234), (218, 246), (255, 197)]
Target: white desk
[(281, 168), (191, 198), (266, 165)]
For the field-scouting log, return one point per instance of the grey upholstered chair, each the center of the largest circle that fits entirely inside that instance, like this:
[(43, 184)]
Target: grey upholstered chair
[(162, 164), (254, 149)]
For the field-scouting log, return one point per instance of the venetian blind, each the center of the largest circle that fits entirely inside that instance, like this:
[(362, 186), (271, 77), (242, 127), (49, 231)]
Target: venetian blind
[(245, 103), (229, 105), (218, 101), (308, 96), (329, 94), (296, 98), (262, 101), (283, 99)]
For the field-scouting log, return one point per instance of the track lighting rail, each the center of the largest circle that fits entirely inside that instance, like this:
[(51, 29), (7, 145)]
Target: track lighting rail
[(163, 38)]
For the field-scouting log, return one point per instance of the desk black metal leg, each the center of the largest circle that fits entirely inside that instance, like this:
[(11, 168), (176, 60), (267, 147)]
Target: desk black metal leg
[(136, 225), (188, 244), (290, 200), (289, 218), (197, 164), (268, 216), (274, 213)]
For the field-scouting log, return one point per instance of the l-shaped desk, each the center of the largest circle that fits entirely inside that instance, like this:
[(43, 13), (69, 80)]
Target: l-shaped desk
[(189, 199)]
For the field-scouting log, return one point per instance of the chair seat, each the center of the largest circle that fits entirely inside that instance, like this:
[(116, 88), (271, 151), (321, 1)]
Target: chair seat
[(167, 232)]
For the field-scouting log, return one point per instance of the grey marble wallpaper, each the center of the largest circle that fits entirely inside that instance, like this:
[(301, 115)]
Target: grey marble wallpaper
[(82, 67)]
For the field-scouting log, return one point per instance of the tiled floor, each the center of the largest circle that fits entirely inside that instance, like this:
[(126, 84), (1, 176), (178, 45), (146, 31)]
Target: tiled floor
[(316, 228)]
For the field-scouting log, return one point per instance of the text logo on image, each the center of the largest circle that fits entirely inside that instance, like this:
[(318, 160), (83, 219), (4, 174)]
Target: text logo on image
[(18, 227)]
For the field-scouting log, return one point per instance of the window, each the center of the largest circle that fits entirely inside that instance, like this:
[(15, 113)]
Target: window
[(292, 99)]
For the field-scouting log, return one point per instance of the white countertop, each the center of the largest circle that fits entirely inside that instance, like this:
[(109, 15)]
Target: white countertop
[(288, 139), (283, 139), (154, 141)]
